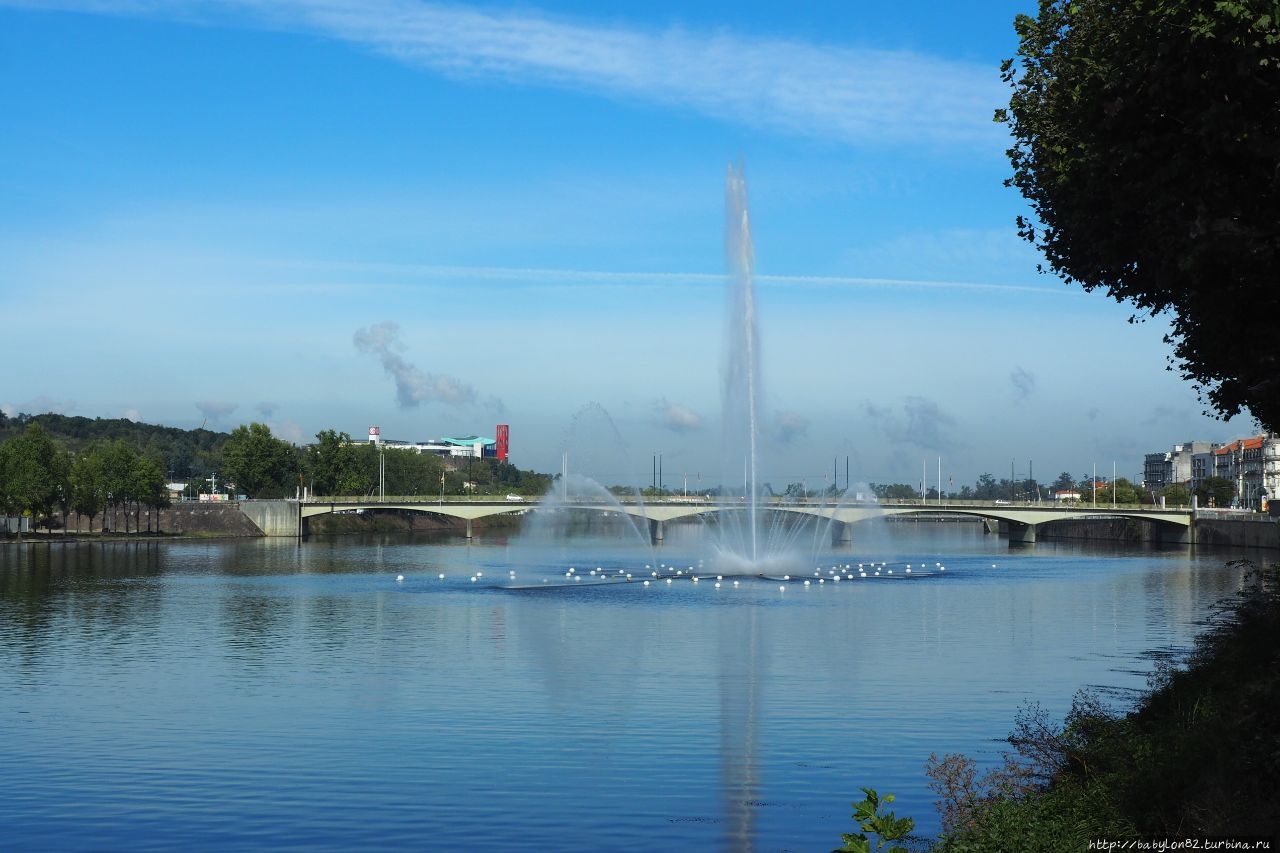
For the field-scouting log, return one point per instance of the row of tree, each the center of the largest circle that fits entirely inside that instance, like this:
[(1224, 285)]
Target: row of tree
[(42, 479), (1212, 491)]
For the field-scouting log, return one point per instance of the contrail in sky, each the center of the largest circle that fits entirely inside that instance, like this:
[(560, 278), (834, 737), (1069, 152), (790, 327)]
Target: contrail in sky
[(853, 95)]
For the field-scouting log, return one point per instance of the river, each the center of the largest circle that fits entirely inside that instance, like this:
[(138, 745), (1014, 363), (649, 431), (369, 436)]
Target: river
[(259, 694)]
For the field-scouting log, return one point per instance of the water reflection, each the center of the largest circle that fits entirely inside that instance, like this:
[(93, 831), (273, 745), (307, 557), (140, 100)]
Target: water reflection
[(285, 688)]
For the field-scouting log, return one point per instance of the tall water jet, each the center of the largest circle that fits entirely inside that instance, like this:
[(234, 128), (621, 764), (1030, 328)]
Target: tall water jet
[(740, 406)]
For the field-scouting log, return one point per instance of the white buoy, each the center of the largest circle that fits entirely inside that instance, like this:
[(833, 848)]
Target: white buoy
[(908, 570), (442, 576), (473, 578), (735, 583), (399, 578), (668, 581), (806, 583), (717, 584), (782, 589), (646, 583)]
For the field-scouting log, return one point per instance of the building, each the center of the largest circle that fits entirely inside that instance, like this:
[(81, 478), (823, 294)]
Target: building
[(1251, 464), (464, 447), (1187, 464)]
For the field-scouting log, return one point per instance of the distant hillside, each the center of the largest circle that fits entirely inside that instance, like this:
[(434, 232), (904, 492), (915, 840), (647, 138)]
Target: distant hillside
[(183, 453)]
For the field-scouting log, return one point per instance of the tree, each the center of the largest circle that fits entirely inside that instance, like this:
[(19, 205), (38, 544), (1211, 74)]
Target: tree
[(1145, 139), (148, 487), (1176, 494), (117, 476), (30, 473), (332, 464), (986, 489), (1063, 483), (88, 483), (260, 465), (1216, 491), (895, 492), (1122, 489)]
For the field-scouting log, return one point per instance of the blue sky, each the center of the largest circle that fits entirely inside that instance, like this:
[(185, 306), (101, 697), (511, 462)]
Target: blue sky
[(439, 217)]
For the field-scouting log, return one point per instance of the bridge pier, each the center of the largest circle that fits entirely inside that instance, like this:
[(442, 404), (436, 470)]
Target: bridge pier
[(1177, 535), (655, 530), (841, 533), (469, 530), (1021, 534)]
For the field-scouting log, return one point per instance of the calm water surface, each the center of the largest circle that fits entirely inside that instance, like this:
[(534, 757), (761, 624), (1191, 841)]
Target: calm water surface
[(262, 694)]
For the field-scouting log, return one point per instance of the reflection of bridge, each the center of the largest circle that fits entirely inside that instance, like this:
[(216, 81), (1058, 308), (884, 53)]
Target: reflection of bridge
[(1021, 520)]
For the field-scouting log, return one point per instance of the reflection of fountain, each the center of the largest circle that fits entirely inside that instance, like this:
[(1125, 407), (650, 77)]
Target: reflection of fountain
[(741, 663)]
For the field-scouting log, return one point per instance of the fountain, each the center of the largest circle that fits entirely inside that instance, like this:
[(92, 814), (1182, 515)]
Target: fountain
[(741, 403), (751, 538)]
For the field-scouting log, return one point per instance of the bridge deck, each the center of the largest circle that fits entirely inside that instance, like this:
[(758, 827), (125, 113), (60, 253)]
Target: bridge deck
[(671, 510)]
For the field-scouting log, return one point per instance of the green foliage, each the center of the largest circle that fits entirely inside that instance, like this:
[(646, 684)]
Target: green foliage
[(879, 829), (260, 465), (1145, 139), (1216, 491), (32, 473), (1122, 489), (332, 465), (88, 482), (895, 492), (181, 453), (1176, 494)]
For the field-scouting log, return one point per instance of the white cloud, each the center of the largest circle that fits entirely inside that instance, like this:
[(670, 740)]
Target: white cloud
[(864, 96), (923, 423), (677, 418), (790, 427)]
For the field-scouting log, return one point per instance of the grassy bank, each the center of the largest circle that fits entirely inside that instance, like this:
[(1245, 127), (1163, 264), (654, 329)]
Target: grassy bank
[(1199, 757)]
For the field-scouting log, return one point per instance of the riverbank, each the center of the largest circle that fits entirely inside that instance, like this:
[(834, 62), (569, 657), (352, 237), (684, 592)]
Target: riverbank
[(1199, 757), (203, 520)]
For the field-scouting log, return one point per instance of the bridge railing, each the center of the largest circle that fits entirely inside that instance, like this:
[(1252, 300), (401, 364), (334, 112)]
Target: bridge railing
[(943, 505)]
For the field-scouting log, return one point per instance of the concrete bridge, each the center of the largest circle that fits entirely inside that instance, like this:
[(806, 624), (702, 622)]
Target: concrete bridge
[(289, 518)]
